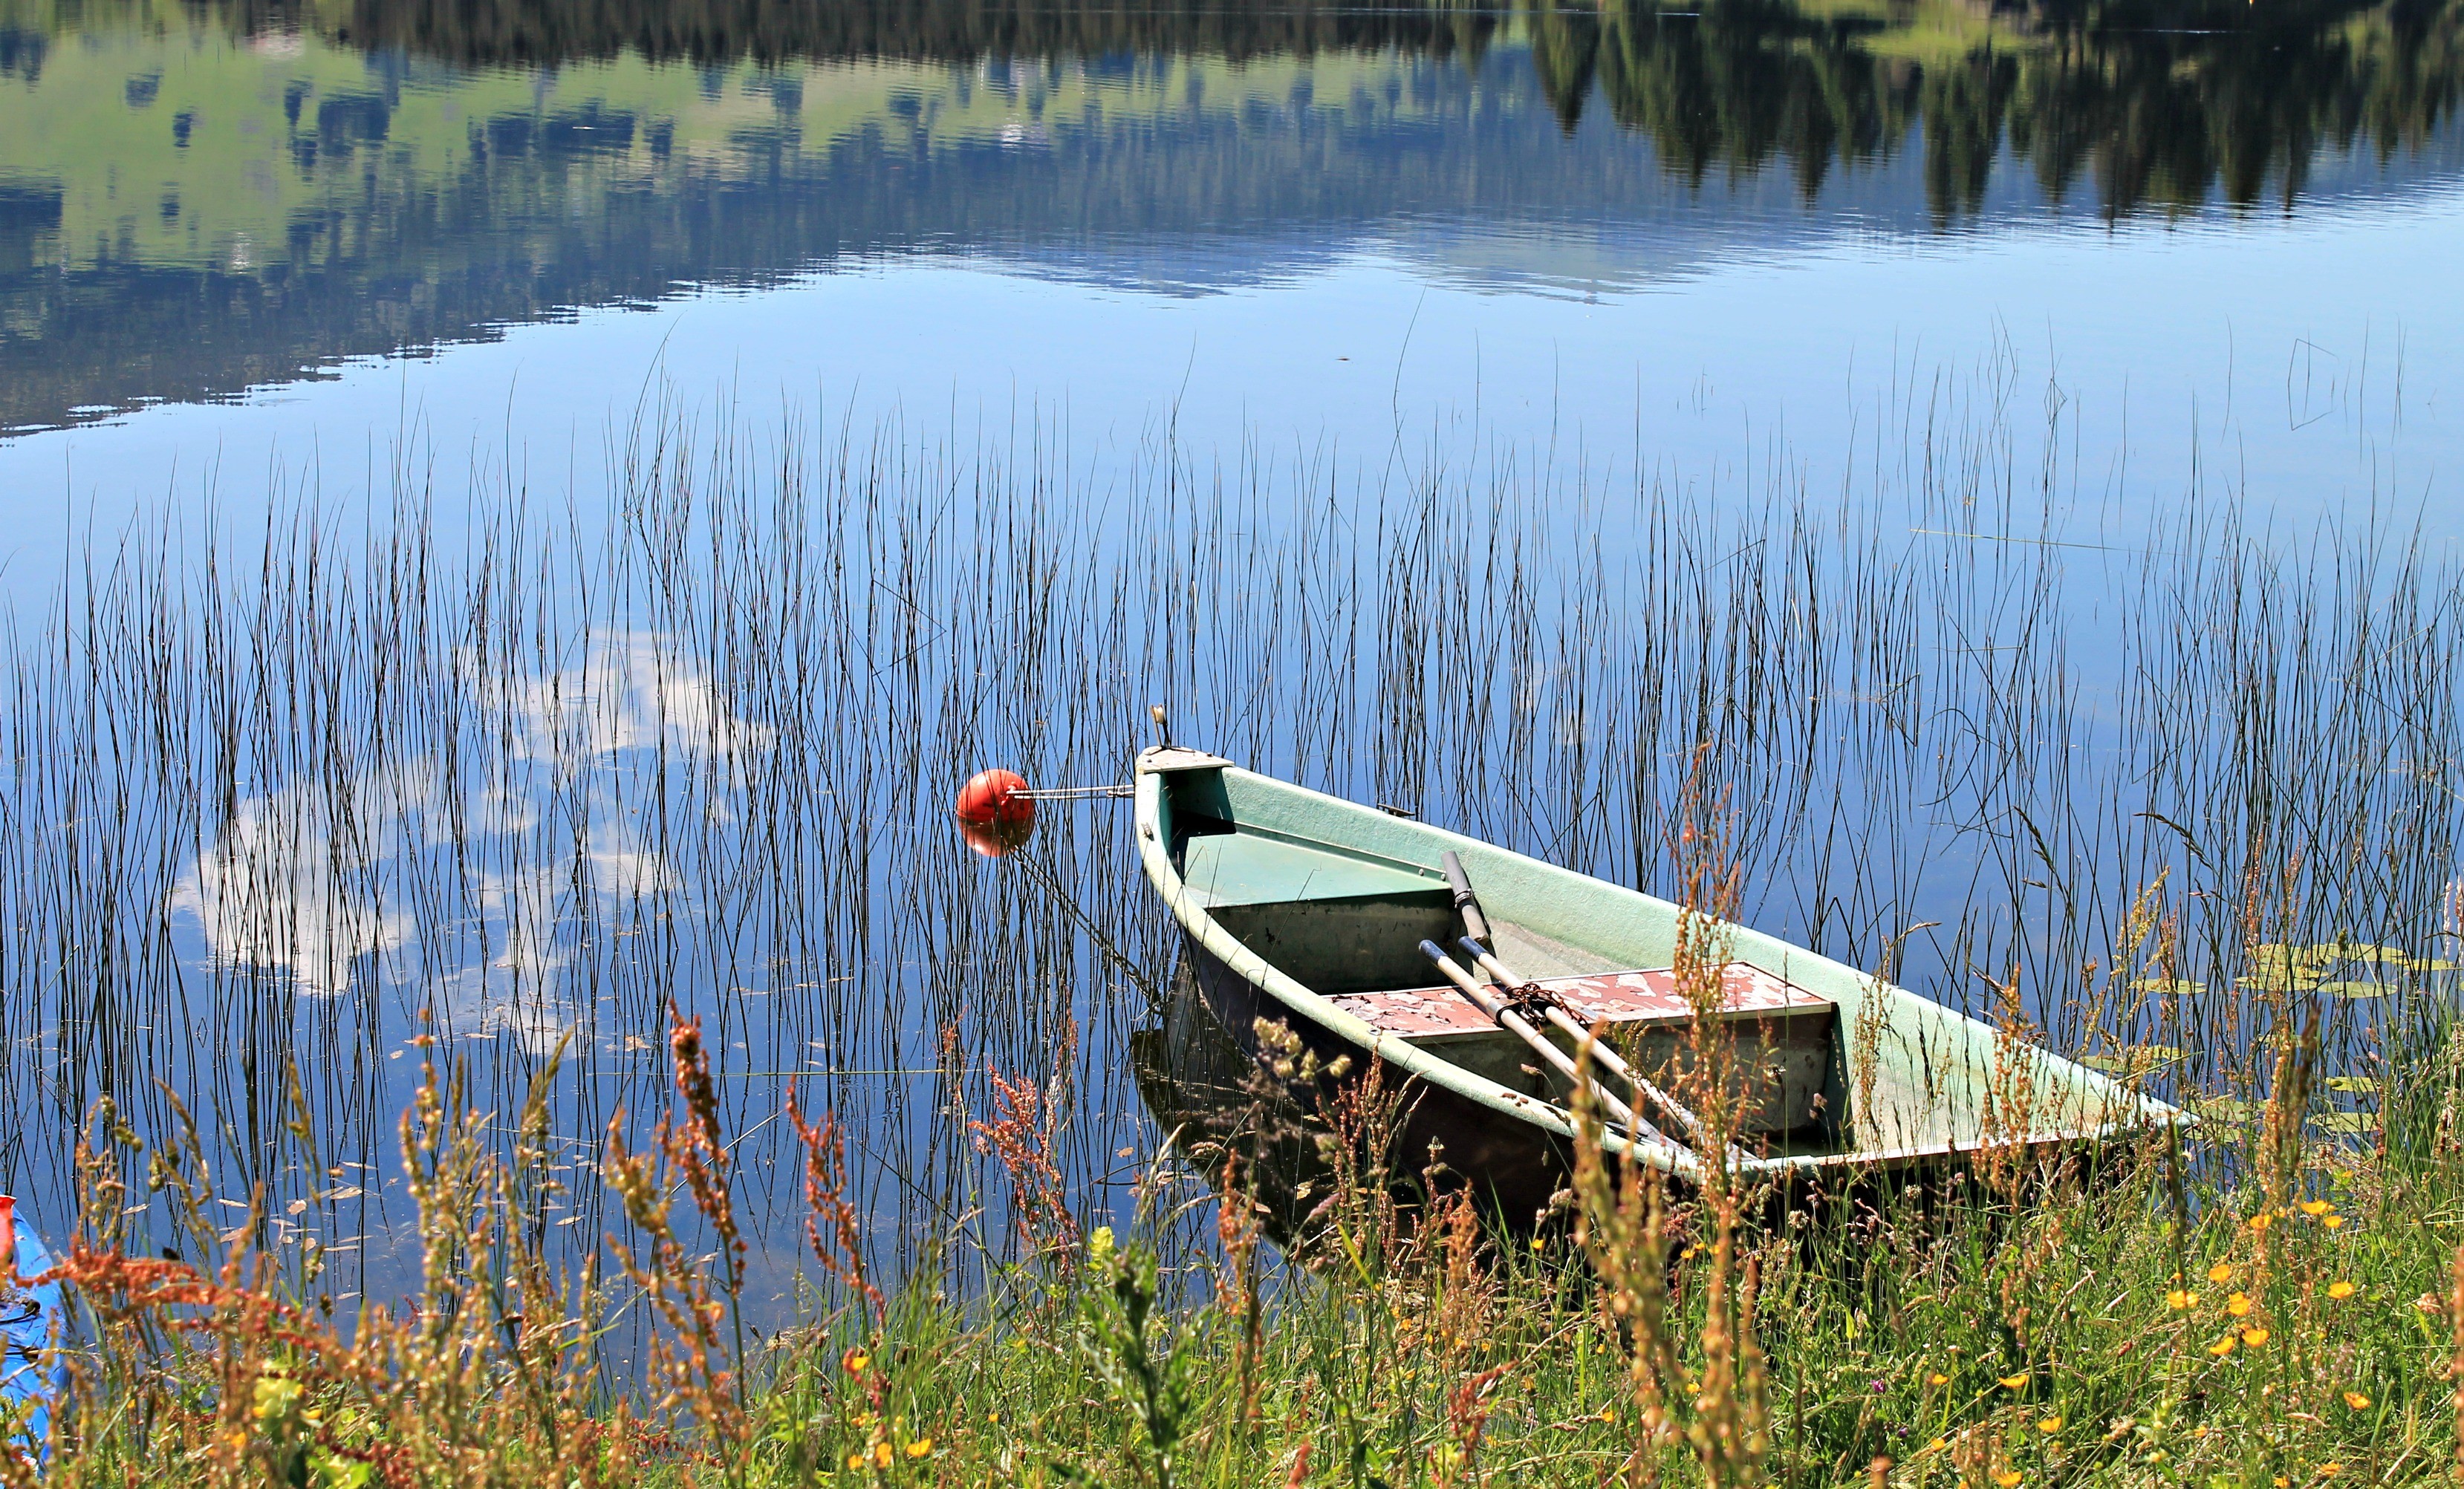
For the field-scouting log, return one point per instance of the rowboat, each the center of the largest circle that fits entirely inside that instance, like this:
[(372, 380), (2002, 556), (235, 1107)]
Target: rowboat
[(31, 1377), (1325, 918)]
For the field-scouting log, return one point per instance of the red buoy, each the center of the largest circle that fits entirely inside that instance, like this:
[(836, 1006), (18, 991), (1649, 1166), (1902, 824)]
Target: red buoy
[(995, 812)]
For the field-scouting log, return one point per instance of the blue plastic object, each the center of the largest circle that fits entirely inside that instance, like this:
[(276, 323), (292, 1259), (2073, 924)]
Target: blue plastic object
[(31, 1377)]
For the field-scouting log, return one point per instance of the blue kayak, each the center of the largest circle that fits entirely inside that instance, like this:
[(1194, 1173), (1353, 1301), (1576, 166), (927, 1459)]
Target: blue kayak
[(32, 1378)]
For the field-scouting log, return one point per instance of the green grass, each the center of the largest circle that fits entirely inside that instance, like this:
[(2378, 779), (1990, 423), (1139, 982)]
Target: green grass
[(2257, 1309)]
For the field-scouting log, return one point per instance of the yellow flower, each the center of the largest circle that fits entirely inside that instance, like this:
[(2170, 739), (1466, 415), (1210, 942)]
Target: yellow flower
[(2238, 1304), (2222, 1347), (855, 1461), (1099, 1246), (2051, 1423), (882, 1457), (2315, 1208), (1937, 1378), (2221, 1272), (275, 1397), (2340, 1291), (1537, 1243), (2014, 1381), (922, 1447), (2252, 1338), (2281, 1482), (2008, 1478), (2261, 1221), (2333, 1222), (855, 1361), (2330, 1469), (2181, 1302), (2357, 1401)]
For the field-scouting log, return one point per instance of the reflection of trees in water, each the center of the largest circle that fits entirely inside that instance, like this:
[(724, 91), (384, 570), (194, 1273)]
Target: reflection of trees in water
[(546, 31), (2157, 102), (2213, 100)]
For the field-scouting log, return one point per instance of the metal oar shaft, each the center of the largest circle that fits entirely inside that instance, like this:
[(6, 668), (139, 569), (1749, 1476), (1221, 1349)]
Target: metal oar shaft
[(1475, 922), (1541, 1044), (1601, 1054)]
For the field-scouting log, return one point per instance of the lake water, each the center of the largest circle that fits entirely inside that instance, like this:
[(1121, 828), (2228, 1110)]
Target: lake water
[(2085, 281)]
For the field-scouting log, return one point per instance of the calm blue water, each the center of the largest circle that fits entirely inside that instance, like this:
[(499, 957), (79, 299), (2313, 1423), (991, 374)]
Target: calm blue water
[(1922, 266)]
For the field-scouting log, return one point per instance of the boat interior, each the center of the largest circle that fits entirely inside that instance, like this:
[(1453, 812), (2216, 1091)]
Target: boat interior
[(1349, 927), (1346, 920)]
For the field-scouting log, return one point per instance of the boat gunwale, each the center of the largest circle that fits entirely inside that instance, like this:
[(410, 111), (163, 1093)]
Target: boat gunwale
[(1190, 909)]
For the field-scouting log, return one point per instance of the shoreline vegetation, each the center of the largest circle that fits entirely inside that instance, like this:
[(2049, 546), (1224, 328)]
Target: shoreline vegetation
[(623, 839), (2268, 1310)]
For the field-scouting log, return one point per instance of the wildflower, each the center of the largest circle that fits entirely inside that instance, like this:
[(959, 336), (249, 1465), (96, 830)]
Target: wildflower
[(2333, 1222), (1537, 1243), (2181, 1302), (855, 1361), (2281, 1482), (2261, 1221), (275, 1397), (2008, 1478), (2252, 1338), (1937, 1378), (2340, 1291), (855, 1461), (2315, 1208), (921, 1448), (1937, 1445), (1099, 1246), (2222, 1347), (2051, 1423), (2330, 1469), (2238, 1304), (2014, 1381), (2220, 1273), (882, 1457), (2357, 1401)]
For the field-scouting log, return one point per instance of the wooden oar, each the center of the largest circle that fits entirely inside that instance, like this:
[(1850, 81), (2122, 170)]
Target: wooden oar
[(1546, 1048), (1601, 1054)]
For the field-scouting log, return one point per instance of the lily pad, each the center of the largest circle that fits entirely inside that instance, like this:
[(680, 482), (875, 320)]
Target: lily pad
[(2345, 1123), (2144, 1059), (2175, 987), (2357, 1086), (2355, 989)]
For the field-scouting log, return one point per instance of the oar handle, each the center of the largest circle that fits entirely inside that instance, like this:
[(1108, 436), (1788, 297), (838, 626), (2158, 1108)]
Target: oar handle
[(1559, 1060), (1475, 923), (1601, 1053)]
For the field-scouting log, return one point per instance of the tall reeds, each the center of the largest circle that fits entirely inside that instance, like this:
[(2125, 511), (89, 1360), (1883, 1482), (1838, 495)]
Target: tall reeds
[(518, 789)]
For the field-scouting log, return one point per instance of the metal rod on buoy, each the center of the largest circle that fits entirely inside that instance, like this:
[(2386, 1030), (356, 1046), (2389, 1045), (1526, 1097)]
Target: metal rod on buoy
[(1163, 723)]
